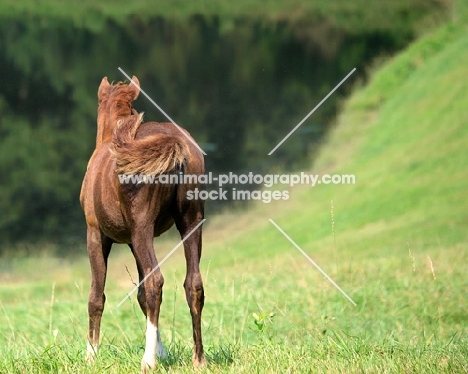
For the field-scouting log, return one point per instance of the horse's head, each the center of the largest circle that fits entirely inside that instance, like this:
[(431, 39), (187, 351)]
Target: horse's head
[(114, 103)]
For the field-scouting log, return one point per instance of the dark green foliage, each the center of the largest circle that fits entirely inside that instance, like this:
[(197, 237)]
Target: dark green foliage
[(238, 84)]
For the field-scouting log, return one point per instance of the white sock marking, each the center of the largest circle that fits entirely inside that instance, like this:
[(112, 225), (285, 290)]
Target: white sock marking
[(91, 351), (153, 347)]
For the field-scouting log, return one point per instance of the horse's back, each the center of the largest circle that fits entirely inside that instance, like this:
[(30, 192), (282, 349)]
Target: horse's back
[(152, 128), (195, 164)]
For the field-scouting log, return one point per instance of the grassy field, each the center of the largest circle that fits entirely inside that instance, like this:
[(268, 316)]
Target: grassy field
[(396, 242)]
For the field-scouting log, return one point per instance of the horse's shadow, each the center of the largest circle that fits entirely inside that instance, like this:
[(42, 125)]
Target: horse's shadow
[(180, 355)]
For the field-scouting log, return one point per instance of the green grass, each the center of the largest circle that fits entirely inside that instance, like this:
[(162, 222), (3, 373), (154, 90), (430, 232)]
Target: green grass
[(398, 248), (406, 319), (354, 16)]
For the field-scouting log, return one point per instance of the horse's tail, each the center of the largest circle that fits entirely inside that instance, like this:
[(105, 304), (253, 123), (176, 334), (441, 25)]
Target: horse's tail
[(153, 155)]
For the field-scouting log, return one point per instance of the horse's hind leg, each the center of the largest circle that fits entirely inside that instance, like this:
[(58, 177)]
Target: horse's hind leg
[(141, 288), (150, 295), (99, 247), (193, 286)]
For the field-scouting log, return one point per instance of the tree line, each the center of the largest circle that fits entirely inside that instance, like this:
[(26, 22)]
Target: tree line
[(238, 86)]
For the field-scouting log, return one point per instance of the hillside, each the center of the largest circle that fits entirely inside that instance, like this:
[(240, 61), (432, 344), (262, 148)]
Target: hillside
[(396, 240), (403, 136)]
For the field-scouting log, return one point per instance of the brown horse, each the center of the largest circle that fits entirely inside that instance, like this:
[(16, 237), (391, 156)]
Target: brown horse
[(135, 213)]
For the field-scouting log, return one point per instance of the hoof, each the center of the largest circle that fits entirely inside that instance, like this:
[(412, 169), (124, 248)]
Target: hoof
[(147, 367), (199, 363)]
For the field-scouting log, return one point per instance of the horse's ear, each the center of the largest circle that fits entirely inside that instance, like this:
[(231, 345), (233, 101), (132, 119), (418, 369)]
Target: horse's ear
[(135, 86), (103, 88)]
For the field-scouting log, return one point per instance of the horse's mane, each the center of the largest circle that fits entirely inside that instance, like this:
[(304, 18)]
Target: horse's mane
[(122, 96), (115, 102)]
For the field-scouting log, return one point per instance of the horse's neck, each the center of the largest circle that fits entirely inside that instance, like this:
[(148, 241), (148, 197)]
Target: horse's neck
[(104, 134)]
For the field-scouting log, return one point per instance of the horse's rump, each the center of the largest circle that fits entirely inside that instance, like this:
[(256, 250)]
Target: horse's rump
[(152, 155)]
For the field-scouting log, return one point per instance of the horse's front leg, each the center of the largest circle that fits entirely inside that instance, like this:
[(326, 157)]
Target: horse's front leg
[(153, 281), (99, 247)]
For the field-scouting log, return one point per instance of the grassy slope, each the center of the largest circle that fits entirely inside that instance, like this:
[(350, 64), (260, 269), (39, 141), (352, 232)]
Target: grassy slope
[(403, 136), (400, 253)]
